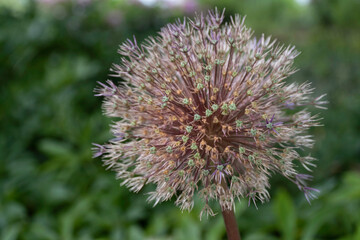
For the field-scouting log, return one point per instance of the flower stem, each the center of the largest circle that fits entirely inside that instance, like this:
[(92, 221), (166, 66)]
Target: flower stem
[(232, 229)]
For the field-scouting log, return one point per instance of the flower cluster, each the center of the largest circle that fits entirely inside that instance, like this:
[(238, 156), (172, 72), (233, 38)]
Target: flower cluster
[(204, 108)]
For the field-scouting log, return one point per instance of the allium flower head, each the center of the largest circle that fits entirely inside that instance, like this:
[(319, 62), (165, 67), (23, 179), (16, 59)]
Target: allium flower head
[(204, 109)]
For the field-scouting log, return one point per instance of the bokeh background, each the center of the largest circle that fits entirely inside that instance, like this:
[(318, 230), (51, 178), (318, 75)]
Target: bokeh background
[(52, 52)]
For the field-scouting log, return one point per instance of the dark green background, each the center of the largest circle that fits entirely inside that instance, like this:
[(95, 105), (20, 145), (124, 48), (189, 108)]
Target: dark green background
[(50, 59)]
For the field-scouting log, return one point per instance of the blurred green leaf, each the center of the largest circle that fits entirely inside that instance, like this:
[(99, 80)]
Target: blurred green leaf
[(217, 229), (11, 233), (350, 190), (286, 214), (259, 236), (55, 148), (135, 233)]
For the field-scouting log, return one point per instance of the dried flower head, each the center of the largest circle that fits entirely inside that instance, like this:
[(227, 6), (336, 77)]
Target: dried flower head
[(205, 109)]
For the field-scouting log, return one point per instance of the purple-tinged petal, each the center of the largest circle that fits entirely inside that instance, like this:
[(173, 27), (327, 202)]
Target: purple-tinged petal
[(98, 150)]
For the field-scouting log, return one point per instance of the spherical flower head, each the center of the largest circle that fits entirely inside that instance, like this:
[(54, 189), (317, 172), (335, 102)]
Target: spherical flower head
[(204, 109)]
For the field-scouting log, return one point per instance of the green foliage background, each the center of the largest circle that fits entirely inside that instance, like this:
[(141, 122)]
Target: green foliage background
[(50, 59)]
